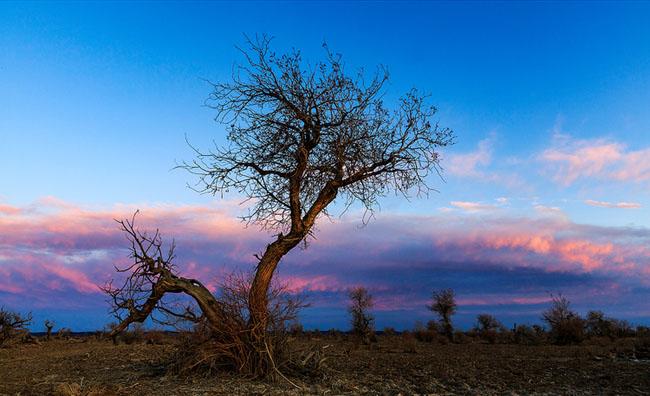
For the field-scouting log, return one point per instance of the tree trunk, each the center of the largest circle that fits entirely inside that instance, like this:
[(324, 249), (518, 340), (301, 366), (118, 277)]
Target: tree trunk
[(258, 296)]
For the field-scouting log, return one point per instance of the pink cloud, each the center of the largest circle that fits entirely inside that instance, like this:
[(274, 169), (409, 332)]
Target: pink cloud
[(471, 164), (67, 249), (9, 210), (571, 159)]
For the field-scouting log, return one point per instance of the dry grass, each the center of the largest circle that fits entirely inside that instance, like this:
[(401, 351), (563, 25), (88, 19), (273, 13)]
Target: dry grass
[(396, 364)]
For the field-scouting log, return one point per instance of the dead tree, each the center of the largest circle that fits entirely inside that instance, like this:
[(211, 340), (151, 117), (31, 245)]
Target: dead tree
[(300, 137), (49, 325), (12, 324)]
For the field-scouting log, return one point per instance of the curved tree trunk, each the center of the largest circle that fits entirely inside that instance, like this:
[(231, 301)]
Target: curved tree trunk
[(169, 283), (258, 297)]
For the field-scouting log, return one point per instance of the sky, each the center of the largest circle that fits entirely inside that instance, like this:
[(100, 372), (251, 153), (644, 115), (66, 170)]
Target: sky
[(546, 191)]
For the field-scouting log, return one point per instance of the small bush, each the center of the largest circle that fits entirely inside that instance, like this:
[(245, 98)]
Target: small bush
[(599, 325), (527, 335), (488, 328), (64, 333), (428, 333), (567, 327)]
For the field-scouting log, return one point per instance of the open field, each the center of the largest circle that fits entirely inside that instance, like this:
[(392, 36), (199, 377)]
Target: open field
[(394, 365)]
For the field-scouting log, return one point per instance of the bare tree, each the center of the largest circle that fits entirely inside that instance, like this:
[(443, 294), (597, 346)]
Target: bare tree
[(300, 137), (362, 321), (49, 325), (444, 304)]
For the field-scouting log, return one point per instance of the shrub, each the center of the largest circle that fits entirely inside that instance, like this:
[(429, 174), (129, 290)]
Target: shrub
[(566, 326), (64, 333), (488, 327), (12, 325), (527, 335), (599, 325), (209, 347), (428, 333)]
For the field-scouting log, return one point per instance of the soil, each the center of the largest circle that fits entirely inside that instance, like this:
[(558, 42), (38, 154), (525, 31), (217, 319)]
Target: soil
[(394, 365)]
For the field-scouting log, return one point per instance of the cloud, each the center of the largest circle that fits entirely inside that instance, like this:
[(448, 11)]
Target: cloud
[(569, 160), (54, 256), (478, 164), (8, 210), (619, 205), (471, 164), (549, 210), (472, 206)]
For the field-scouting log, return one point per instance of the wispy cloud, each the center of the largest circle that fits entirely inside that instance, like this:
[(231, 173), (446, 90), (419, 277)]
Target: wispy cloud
[(570, 159), (619, 205), (472, 206), (471, 164)]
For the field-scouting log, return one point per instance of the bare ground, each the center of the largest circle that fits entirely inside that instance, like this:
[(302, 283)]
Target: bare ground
[(395, 365)]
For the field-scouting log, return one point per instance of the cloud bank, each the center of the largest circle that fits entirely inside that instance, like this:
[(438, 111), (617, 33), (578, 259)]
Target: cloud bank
[(54, 254)]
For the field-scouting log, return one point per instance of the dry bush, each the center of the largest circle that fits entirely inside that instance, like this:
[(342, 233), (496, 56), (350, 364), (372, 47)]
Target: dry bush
[(529, 335), (599, 325), (135, 335), (64, 333), (362, 321), (12, 325), (488, 328), (566, 326), (209, 347), (429, 333)]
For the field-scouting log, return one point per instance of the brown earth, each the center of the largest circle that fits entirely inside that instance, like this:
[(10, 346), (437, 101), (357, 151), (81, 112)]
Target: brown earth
[(394, 365)]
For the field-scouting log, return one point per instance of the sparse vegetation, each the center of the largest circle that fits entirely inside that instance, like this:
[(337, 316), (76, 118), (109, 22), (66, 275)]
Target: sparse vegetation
[(397, 364)]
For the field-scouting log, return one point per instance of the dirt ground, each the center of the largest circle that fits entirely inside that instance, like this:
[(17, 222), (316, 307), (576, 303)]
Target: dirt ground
[(395, 365)]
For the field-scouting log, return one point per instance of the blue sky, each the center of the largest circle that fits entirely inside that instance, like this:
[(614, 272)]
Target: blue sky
[(549, 102)]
